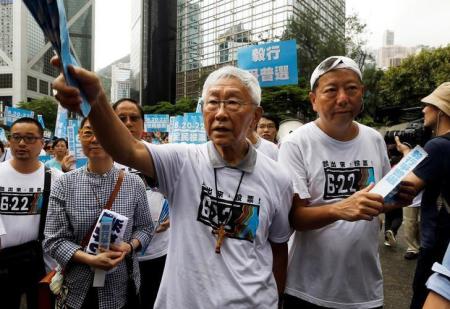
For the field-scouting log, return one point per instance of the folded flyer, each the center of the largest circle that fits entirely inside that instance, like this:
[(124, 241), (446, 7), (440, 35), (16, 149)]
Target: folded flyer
[(119, 226), (387, 185)]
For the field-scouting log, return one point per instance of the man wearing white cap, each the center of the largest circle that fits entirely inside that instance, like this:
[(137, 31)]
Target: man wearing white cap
[(334, 162), (432, 175)]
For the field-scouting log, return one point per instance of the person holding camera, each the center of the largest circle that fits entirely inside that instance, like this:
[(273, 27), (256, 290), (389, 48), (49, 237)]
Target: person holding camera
[(432, 175)]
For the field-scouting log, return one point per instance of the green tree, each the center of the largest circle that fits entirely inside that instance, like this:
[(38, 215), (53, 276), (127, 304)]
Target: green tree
[(183, 105), (415, 78), (45, 106), (287, 102), (372, 100)]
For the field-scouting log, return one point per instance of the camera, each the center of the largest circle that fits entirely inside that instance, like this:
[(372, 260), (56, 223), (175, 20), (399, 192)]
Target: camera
[(414, 134)]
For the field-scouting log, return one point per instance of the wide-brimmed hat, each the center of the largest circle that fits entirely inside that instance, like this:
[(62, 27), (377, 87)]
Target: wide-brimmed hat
[(333, 63), (440, 98)]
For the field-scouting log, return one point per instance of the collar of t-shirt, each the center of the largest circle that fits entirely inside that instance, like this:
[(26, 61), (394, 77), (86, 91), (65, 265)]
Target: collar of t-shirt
[(247, 164)]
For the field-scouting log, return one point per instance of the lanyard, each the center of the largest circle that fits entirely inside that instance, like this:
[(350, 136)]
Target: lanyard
[(220, 229)]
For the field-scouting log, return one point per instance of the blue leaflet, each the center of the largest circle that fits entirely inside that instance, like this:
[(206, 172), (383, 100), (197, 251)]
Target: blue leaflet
[(67, 58), (164, 215), (51, 17)]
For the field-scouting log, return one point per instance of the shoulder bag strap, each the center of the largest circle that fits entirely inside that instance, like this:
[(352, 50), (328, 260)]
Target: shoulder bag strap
[(108, 206), (113, 195), (45, 197)]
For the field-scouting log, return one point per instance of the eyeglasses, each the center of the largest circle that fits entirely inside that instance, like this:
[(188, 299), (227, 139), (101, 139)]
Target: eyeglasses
[(28, 139), (229, 105), (86, 135), (133, 118)]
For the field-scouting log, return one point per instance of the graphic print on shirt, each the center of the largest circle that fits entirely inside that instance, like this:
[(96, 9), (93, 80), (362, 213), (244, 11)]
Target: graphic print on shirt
[(20, 201), (240, 219), (342, 179)]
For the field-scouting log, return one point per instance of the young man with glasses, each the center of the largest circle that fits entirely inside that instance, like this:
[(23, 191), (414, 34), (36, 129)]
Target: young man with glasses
[(21, 203), (229, 205), (267, 127)]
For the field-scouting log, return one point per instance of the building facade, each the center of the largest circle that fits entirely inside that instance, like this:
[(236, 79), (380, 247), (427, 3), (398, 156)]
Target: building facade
[(392, 55), (25, 70), (120, 81), (209, 32)]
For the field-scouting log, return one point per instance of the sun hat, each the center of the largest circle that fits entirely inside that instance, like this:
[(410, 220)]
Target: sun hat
[(333, 63), (440, 98)]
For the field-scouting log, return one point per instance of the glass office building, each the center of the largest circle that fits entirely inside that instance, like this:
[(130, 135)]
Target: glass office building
[(209, 32), (25, 70)]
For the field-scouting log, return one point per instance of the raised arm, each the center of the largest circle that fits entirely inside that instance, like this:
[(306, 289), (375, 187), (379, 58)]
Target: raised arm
[(109, 130)]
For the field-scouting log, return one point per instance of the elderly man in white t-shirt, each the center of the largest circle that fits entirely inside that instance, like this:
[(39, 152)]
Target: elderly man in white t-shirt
[(229, 205), (334, 162)]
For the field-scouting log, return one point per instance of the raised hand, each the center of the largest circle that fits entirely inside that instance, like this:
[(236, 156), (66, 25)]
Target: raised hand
[(69, 96), (403, 148), (67, 163)]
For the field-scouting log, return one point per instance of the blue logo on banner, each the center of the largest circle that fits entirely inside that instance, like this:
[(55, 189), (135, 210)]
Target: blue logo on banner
[(13, 113), (273, 64)]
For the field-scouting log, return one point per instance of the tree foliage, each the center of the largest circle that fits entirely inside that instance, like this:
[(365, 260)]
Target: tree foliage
[(183, 105), (45, 106), (416, 77)]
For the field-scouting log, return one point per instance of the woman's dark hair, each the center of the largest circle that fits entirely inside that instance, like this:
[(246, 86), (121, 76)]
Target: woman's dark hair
[(56, 141)]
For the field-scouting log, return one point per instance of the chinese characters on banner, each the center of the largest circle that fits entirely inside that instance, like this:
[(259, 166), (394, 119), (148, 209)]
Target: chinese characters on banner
[(13, 113), (187, 129), (156, 127), (273, 64)]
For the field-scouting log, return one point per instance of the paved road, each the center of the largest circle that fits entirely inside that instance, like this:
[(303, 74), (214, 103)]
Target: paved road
[(398, 274)]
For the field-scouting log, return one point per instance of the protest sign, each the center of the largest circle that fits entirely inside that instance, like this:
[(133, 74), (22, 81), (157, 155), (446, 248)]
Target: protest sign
[(273, 64), (13, 113)]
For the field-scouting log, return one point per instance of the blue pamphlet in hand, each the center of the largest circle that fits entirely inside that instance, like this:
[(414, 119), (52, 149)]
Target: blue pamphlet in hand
[(51, 17)]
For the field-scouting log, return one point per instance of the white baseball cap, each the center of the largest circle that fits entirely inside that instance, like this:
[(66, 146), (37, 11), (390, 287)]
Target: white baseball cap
[(333, 63)]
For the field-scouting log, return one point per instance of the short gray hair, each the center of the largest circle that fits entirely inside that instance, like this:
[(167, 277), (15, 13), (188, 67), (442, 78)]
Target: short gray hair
[(246, 78)]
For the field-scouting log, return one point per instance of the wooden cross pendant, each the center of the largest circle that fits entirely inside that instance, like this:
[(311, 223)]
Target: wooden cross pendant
[(221, 234)]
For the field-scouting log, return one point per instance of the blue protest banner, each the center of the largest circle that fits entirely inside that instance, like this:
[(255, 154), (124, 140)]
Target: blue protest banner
[(273, 64), (13, 113), (75, 148), (156, 122), (3, 135), (61, 123), (41, 121)]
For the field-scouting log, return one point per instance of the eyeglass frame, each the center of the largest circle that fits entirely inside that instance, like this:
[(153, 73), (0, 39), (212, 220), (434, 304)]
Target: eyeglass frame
[(84, 138), (225, 103), (133, 118), (17, 138)]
